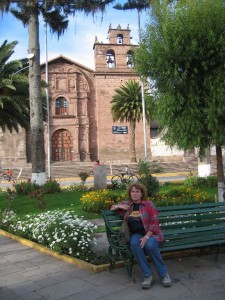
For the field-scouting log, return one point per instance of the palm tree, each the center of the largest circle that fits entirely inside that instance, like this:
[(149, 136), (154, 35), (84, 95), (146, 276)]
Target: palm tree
[(55, 13), (127, 106), (14, 91)]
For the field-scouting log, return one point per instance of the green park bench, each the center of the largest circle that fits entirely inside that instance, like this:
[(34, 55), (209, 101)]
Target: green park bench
[(185, 227)]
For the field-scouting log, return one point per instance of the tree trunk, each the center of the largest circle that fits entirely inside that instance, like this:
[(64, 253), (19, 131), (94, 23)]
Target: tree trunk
[(132, 142), (204, 164), (36, 113), (220, 174)]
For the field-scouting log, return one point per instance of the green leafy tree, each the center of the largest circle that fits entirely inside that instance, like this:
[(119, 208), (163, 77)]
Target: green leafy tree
[(55, 13), (127, 106), (183, 51), (14, 91)]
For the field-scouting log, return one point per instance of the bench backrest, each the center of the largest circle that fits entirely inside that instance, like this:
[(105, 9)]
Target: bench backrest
[(174, 219), (189, 216)]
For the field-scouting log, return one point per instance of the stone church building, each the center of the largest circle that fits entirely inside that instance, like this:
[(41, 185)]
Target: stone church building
[(81, 125)]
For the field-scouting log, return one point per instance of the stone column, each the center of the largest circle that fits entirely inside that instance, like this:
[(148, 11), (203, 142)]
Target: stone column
[(100, 178)]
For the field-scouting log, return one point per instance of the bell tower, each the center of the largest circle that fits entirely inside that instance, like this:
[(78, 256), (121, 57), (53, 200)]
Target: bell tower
[(113, 68), (117, 55)]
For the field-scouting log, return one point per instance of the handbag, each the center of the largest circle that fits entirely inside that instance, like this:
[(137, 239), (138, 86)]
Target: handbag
[(124, 232)]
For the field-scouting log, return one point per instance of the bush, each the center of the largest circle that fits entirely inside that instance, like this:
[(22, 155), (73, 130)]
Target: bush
[(7, 217), (26, 187), (50, 187), (151, 183), (211, 181), (149, 167), (77, 187), (95, 201), (197, 182), (181, 195), (61, 231)]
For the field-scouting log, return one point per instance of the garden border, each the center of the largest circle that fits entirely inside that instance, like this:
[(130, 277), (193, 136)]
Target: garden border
[(72, 260)]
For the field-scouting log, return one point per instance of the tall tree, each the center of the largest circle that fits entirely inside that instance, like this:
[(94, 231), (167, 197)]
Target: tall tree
[(55, 13), (14, 91), (127, 106), (183, 50)]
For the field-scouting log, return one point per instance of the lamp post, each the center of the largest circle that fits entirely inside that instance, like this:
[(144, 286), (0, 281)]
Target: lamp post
[(47, 103), (142, 94)]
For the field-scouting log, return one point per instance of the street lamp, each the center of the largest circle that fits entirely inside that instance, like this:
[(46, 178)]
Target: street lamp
[(47, 103), (142, 93)]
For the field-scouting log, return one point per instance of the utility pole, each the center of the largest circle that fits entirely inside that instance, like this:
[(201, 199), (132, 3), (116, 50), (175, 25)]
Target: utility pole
[(142, 94)]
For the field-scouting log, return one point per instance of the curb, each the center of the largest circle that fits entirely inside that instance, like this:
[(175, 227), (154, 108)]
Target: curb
[(75, 261), (76, 178)]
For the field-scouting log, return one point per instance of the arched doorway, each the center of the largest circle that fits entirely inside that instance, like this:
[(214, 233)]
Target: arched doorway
[(62, 145)]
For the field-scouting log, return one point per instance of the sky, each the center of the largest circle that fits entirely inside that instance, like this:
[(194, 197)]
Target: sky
[(78, 40)]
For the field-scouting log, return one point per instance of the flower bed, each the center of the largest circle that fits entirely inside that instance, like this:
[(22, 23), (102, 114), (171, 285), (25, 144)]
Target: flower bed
[(59, 230)]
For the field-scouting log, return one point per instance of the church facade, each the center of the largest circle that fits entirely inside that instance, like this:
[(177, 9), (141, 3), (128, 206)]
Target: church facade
[(81, 125)]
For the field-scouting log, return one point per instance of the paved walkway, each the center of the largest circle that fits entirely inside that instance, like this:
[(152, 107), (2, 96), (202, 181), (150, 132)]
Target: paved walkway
[(27, 274)]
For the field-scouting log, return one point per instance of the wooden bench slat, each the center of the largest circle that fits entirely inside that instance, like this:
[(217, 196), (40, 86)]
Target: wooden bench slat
[(190, 206), (189, 225), (183, 230), (177, 217), (191, 211), (203, 235)]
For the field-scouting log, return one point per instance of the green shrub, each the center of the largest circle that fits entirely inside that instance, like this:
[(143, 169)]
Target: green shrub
[(197, 182), (77, 187), (26, 187), (149, 167), (211, 181), (193, 181), (50, 187), (175, 192), (151, 183)]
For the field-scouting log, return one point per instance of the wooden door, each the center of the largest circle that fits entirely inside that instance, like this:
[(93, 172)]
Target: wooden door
[(62, 145)]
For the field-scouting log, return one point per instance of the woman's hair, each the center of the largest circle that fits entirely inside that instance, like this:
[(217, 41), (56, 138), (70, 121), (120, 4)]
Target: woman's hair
[(138, 186)]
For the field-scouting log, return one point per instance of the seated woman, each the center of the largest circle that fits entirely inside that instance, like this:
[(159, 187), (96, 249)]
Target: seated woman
[(146, 235)]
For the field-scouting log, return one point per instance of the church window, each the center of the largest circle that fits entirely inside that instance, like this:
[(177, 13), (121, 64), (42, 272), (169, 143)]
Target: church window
[(61, 106), (110, 59), (130, 60), (120, 39)]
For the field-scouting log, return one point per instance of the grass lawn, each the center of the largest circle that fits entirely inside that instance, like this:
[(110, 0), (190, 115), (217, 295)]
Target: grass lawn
[(68, 200), (23, 204)]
